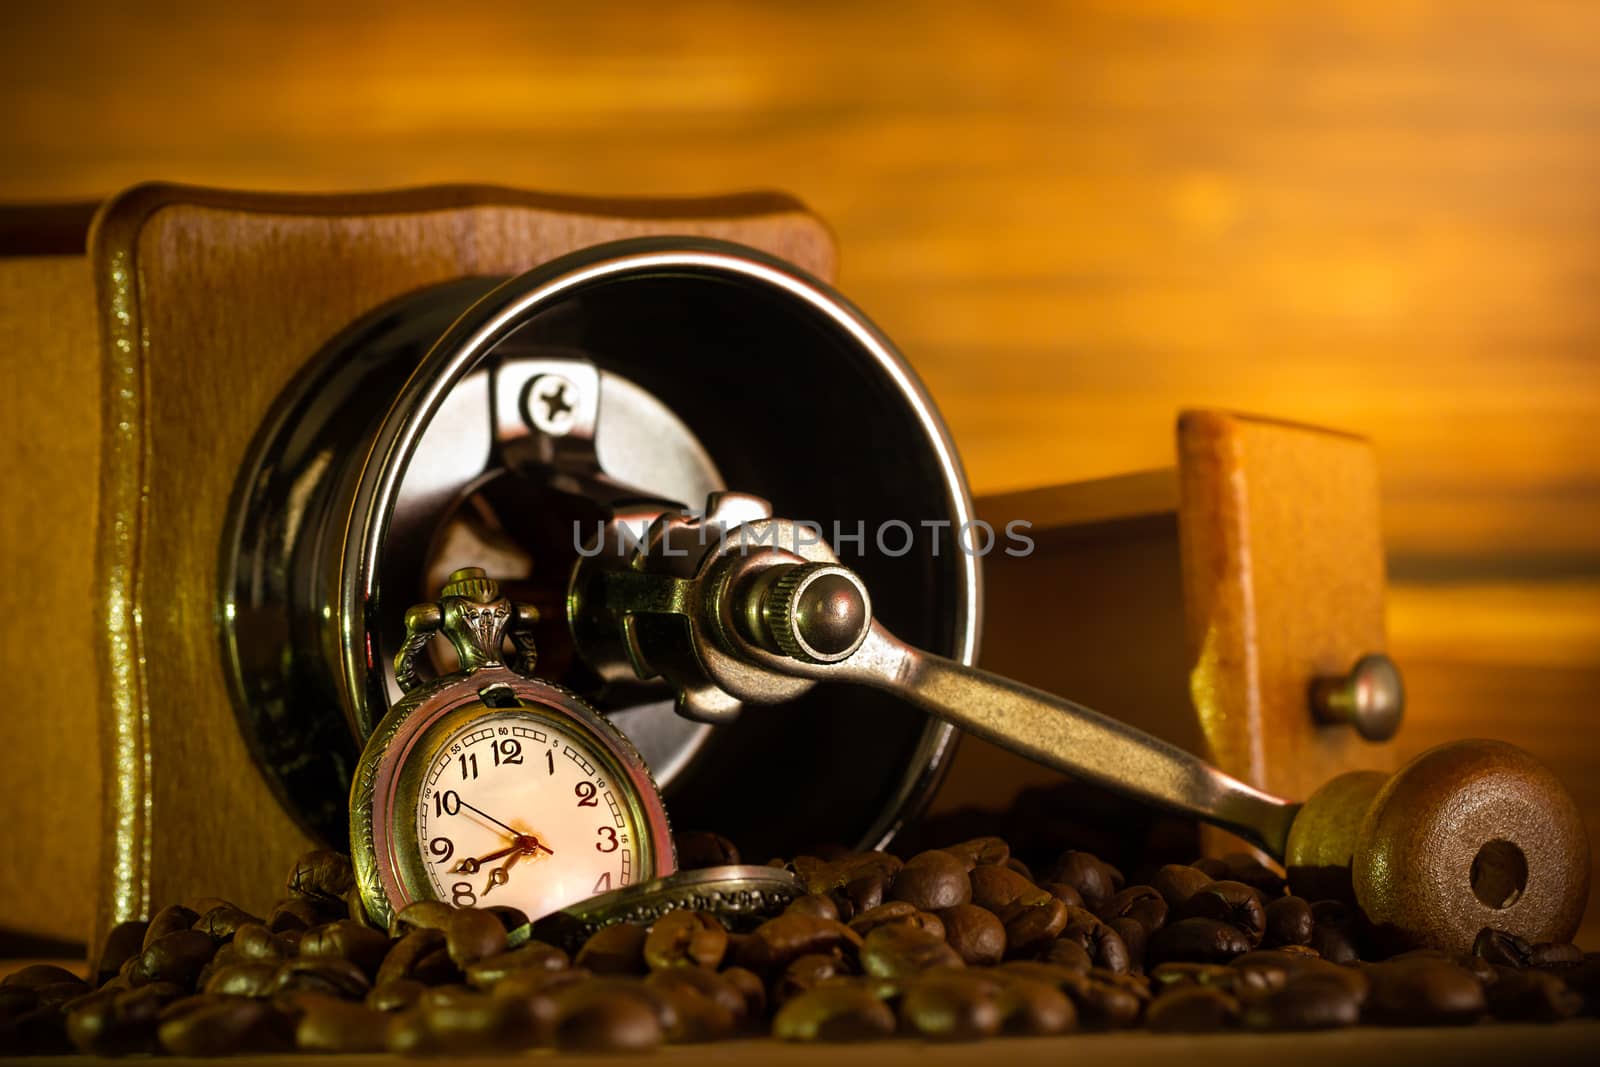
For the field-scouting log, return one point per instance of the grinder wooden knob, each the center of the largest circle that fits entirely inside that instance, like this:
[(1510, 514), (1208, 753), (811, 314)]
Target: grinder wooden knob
[(1467, 835)]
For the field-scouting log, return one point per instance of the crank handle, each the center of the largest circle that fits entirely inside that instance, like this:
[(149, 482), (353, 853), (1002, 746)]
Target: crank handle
[(815, 621)]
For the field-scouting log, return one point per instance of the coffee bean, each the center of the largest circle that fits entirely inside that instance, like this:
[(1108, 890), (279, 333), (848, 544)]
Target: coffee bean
[(749, 985), (997, 887), (177, 957), (396, 994), (1034, 1008), (255, 979), (38, 975), (421, 915), (686, 939), (1246, 868), (975, 933), (1422, 992), (1286, 964), (322, 876), (335, 977), (221, 922), (419, 955), (882, 915), (1107, 1005), (859, 894), (1177, 883), (491, 971), (1194, 1009), (1094, 879), (708, 984), (1104, 947), (1064, 893), (1032, 928), (1306, 1002), (1134, 936), (952, 1006), (125, 941), (900, 950), (1554, 954), (834, 1013), (607, 1018), (697, 849), (254, 941), (1142, 903), (208, 1025), (614, 949), (1069, 954), (327, 1024), (119, 1022), (169, 920), (806, 973), (1232, 902), (981, 850), (932, 880), (1214, 866), (776, 942), (1288, 922), (1334, 943), (471, 934), (1532, 996), (293, 913), (346, 940), (818, 904), (1198, 940)]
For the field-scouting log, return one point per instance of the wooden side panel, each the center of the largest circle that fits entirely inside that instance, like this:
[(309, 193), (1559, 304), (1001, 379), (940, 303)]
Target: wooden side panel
[(1283, 574), (49, 437), (211, 302)]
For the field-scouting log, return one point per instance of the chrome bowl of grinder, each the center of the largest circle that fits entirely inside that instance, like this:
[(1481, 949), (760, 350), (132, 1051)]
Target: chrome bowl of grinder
[(497, 423)]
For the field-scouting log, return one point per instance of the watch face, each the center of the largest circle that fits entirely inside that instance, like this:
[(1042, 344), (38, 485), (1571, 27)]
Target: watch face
[(522, 809)]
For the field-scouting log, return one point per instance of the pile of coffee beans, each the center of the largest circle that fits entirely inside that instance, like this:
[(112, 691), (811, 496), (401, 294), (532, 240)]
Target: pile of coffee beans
[(952, 944)]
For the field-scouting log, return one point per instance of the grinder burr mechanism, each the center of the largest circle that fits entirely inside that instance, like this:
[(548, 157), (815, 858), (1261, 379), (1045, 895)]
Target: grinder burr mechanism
[(1468, 835)]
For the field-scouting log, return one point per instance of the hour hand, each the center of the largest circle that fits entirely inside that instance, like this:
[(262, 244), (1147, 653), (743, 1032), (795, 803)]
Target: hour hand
[(470, 865)]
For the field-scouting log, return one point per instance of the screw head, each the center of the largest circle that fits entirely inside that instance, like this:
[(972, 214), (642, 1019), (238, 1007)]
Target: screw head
[(550, 404), (1371, 698)]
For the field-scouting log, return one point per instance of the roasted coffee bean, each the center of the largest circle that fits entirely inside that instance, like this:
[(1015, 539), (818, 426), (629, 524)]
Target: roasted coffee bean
[(708, 984), (1141, 903), (1032, 928), (615, 949), (1177, 883), (327, 1024), (686, 939), (322, 876), (1232, 902), (1334, 943), (255, 979), (119, 1022), (472, 934), (1102, 943), (1134, 937), (17, 1000), (254, 941), (177, 957), (697, 849), (1194, 1009), (169, 920), (335, 977), (125, 941), (820, 875), (397, 994), (608, 1018), (861, 893), (776, 942), (1554, 954), (1214, 866), (981, 850), (1306, 1002), (1107, 1005), (932, 880), (976, 934), (406, 959), (952, 1006), (1064, 893), (834, 1013), (459, 1020), (892, 912), (39, 975), (1197, 940), (1286, 964), (1243, 867), (900, 950), (1422, 992), (751, 988), (1070, 954), (1499, 947), (1094, 879), (1034, 1008), (1532, 996), (1288, 922), (805, 974), (421, 915), (38, 1031), (997, 888), (687, 1016), (818, 904), (346, 940), (209, 1025), (293, 913), (492, 970), (222, 921)]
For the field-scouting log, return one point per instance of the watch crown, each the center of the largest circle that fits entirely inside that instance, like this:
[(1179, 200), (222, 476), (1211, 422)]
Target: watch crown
[(473, 583)]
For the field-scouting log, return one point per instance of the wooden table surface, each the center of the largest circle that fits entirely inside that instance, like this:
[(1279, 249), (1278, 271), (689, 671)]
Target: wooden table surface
[(1074, 218)]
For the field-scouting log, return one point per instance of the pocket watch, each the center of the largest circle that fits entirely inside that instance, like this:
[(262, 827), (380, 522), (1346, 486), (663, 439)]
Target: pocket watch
[(488, 786)]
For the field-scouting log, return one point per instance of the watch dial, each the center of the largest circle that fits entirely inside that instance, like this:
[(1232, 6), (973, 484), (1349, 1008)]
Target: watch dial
[(516, 811)]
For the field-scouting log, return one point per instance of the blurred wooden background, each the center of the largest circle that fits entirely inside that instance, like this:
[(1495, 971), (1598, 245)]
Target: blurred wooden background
[(1073, 217)]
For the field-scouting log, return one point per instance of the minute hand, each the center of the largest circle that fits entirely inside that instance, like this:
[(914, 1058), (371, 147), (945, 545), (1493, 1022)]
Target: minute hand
[(491, 818)]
